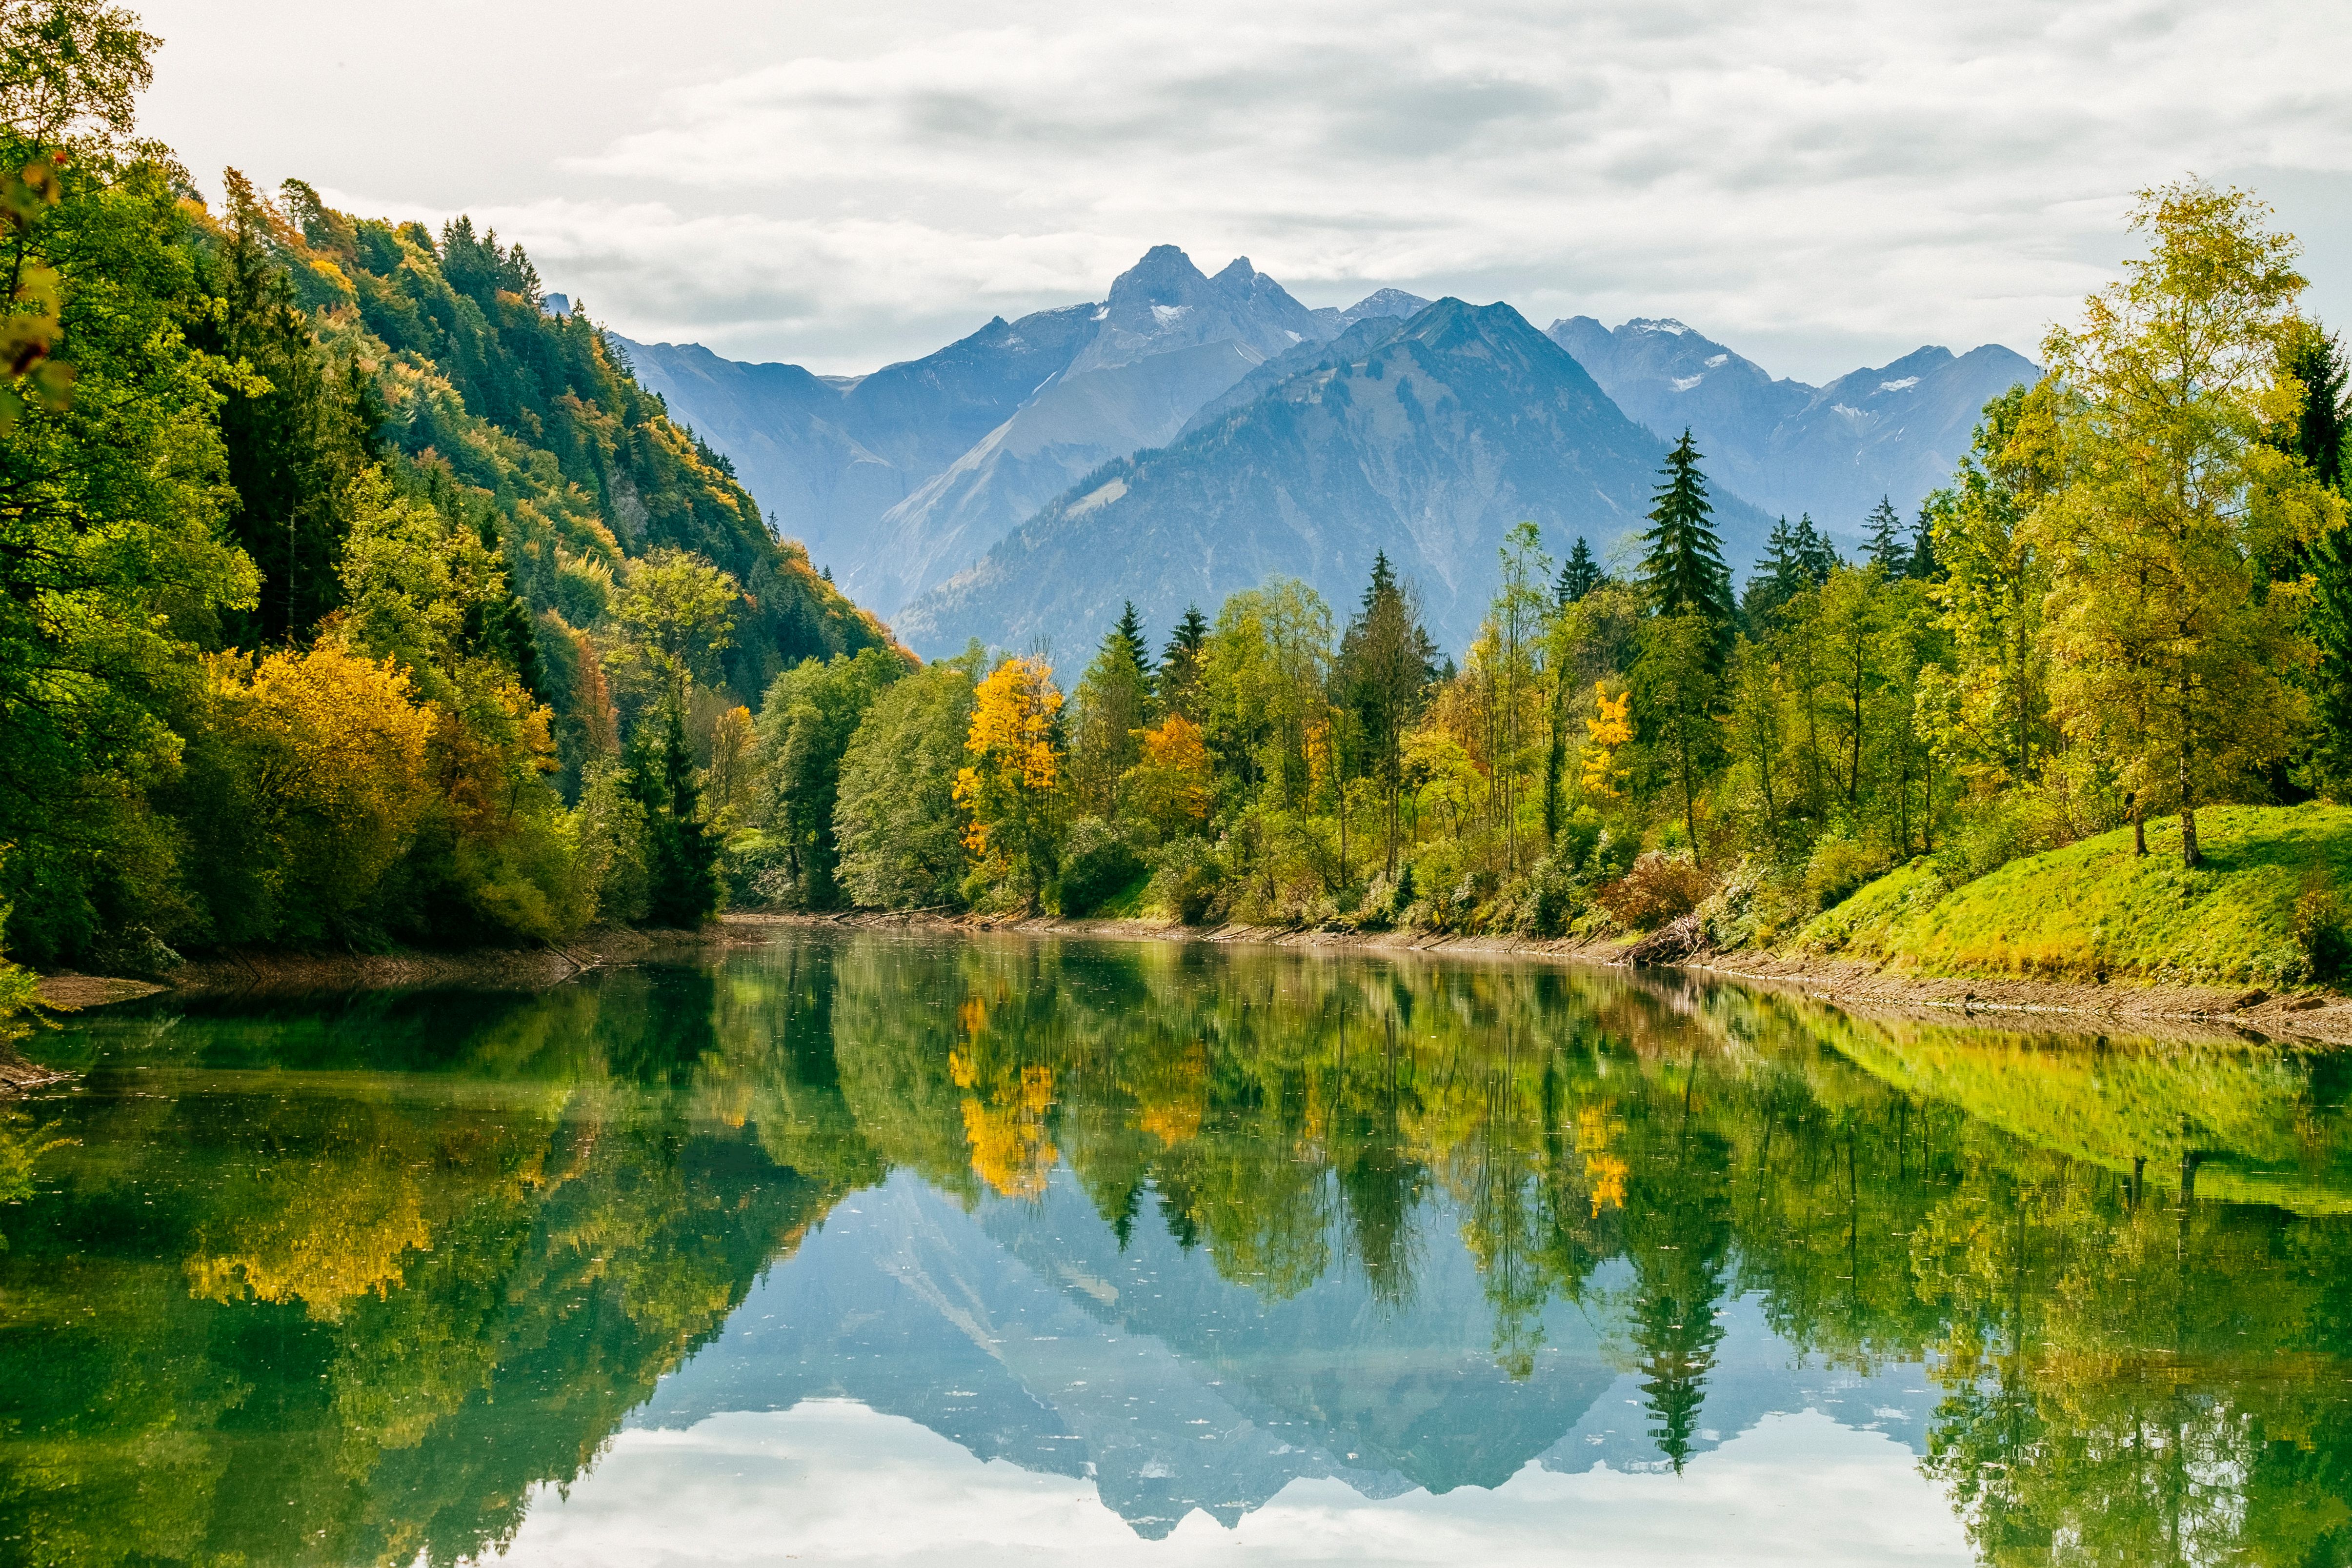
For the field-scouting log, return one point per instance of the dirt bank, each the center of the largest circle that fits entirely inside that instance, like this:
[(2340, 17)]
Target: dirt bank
[(2315, 1015), (2309, 1015)]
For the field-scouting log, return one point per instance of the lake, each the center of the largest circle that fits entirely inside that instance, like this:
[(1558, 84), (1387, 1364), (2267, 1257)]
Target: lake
[(894, 1247)]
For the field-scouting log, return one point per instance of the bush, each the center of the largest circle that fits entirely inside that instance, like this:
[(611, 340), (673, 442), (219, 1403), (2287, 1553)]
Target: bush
[(1836, 868), (1550, 902), (1097, 866), (1188, 881), (1658, 889), (2319, 931)]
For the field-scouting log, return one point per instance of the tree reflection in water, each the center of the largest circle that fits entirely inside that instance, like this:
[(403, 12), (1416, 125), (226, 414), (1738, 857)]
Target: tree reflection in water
[(342, 1281)]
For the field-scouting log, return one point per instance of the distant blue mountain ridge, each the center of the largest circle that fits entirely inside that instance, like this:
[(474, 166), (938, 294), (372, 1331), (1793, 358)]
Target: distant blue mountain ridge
[(1192, 434)]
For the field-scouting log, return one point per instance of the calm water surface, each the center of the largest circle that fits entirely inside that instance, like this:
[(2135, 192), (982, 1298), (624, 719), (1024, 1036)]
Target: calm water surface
[(884, 1250)]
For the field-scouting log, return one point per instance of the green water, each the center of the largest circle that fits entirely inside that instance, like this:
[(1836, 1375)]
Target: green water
[(884, 1250)]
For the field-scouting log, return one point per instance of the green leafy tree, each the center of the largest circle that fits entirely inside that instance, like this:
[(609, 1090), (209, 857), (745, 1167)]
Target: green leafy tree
[(1675, 694), (806, 724), (895, 817), (2163, 617)]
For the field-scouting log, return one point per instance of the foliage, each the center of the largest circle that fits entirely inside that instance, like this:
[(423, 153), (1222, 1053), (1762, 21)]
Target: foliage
[(2095, 909), (895, 816), (1008, 784)]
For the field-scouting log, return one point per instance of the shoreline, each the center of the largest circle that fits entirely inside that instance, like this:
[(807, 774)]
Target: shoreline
[(2310, 1016)]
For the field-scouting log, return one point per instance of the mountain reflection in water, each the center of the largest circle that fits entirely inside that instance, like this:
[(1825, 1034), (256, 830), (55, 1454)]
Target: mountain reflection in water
[(1169, 1231)]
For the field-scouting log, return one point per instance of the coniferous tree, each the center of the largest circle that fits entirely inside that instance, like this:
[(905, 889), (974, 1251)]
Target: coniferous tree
[(1776, 577), (1683, 569), (1129, 631), (1383, 678), (1179, 665), (1923, 563), (681, 856), (1578, 575), (2317, 436), (1883, 540), (1815, 553)]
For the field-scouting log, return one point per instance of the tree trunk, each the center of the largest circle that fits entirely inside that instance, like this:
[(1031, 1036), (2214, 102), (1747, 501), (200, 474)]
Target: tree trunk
[(2140, 828), (2190, 856)]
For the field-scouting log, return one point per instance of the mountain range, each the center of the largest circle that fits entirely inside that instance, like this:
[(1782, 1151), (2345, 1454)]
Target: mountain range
[(1190, 434)]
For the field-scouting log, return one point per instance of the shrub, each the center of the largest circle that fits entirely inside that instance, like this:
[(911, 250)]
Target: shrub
[(1187, 881), (2320, 931), (1836, 868), (1658, 889), (1550, 902), (1097, 866)]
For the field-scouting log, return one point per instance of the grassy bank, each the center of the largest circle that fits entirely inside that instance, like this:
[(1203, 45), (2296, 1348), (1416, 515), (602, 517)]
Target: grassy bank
[(2261, 911)]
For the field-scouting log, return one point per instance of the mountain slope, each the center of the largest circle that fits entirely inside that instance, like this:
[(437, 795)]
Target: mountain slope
[(826, 459), (1169, 338), (1830, 450), (1430, 446)]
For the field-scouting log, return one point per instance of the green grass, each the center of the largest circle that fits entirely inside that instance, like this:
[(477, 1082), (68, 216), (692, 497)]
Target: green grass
[(2096, 910)]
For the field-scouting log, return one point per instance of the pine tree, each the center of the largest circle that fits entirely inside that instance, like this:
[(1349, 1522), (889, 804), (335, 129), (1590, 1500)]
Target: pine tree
[(1179, 665), (1815, 553), (1882, 543), (2316, 360), (681, 858), (1578, 575), (1130, 633), (1776, 577), (1683, 569), (1383, 678), (1923, 563)]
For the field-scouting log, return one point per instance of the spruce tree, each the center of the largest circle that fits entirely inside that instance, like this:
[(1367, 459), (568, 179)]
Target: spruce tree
[(1129, 632), (1684, 568), (2318, 437), (1179, 665), (1923, 563), (1815, 553), (1883, 541), (681, 858), (1578, 575), (1776, 577), (1385, 665)]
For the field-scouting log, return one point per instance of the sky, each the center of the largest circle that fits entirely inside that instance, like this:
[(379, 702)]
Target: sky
[(1818, 184)]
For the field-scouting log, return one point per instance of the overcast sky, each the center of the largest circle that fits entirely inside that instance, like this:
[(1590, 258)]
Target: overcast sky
[(1820, 184)]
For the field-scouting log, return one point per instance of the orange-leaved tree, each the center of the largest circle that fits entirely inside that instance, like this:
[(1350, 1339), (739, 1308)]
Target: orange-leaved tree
[(1010, 788)]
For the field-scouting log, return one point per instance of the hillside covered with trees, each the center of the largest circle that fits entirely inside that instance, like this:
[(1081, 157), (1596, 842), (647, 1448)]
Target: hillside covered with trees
[(347, 595)]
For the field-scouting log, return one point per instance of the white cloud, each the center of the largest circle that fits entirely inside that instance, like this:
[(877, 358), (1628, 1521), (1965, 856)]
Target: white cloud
[(831, 1481), (1816, 182)]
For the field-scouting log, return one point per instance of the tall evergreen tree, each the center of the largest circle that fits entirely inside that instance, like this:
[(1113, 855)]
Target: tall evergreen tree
[(1578, 575), (1179, 665), (1923, 563), (1815, 553), (1130, 634), (2318, 437), (1385, 666), (1882, 539), (681, 856), (1684, 568), (1776, 577)]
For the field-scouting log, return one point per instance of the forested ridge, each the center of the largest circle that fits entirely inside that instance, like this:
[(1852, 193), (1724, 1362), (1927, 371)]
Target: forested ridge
[(347, 595)]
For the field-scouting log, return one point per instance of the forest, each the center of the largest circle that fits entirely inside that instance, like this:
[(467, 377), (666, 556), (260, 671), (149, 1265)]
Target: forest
[(349, 597)]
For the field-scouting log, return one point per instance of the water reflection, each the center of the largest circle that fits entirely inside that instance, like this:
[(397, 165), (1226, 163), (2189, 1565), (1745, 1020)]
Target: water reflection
[(1200, 1233)]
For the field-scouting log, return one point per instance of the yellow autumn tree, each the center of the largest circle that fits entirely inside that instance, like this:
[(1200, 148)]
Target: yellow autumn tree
[(1171, 786), (1009, 788), (1609, 728), (333, 748)]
